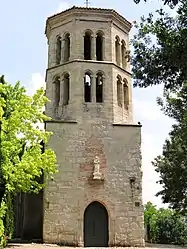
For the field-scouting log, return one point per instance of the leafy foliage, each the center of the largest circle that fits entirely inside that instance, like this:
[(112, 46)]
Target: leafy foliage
[(19, 127), (149, 211), (166, 226), (170, 2), (22, 160), (171, 165), (160, 49), (160, 57)]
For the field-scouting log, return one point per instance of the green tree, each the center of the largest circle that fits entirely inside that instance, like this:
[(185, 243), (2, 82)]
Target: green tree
[(170, 2), (160, 57), (171, 165), (22, 161), (149, 211), (160, 49), (165, 225), (168, 227)]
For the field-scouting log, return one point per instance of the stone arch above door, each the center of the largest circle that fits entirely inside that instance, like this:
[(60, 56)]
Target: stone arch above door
[(96, 225)]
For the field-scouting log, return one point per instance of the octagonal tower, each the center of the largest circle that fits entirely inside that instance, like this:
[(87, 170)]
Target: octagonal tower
[(96, 198)]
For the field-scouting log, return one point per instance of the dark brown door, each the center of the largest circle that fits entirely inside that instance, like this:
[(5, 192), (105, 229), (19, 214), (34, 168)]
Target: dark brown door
[(95, 225)]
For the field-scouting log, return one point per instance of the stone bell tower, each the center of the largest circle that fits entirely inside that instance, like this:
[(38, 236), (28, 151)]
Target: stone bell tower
[(96, 197)]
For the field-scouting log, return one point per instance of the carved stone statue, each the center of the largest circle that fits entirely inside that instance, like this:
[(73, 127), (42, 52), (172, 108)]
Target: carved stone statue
[(97, 175)]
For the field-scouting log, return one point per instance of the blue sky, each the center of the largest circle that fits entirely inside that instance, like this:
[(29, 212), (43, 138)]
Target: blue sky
[(23, 56)]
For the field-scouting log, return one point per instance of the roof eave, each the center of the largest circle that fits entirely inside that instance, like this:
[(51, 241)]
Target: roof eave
[(114, 13)]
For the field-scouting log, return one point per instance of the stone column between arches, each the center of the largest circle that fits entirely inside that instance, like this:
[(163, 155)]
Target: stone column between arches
[(62, 50), (93, 47), (60, 108), (103, 48), (93, 88)]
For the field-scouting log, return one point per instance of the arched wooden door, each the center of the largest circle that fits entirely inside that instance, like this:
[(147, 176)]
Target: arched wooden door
[(95, 225)]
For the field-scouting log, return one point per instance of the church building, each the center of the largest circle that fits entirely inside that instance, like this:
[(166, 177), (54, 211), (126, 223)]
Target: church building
[(95, 198)]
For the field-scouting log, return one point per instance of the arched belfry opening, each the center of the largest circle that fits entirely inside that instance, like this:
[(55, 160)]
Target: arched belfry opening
[(88, 45), (117, 50), (87, 87), (96, 232), (126, 94), (66, 90), (99, 88), (58, 50), (119, 91), (66, 47), (56, 84), (123, 53), (99, 46)]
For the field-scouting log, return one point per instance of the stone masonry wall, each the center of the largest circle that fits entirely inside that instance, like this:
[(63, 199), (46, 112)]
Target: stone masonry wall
[(82, 131), (77, 108), (76, 27), (73, 189)]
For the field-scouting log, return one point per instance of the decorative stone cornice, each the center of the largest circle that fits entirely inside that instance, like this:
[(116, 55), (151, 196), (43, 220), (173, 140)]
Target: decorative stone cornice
[(62, 121), (129, 125), (91, 62), (81, 11)]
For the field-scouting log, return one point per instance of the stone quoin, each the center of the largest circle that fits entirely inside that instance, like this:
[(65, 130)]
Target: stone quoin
[(96, 197)]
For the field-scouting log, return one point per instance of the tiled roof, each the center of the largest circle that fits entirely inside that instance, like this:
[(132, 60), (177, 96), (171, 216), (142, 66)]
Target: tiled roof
[(89, 9)]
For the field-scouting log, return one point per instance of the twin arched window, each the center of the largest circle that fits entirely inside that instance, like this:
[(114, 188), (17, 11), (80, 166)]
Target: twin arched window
[(61, 90), (89, 50), (122, 93), (120, 52), (89, 87), (62, 49)]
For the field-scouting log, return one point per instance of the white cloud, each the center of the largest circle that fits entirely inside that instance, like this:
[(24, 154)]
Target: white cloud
[(37, 81), (147, 109), (62, 6), (150, 149), (155, 129)]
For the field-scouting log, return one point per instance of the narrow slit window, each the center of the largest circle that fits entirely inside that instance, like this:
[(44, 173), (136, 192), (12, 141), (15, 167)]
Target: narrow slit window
[(87, 46), (66, 90), (99, 88), (99, 47), (58, 50), (87, 88)]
